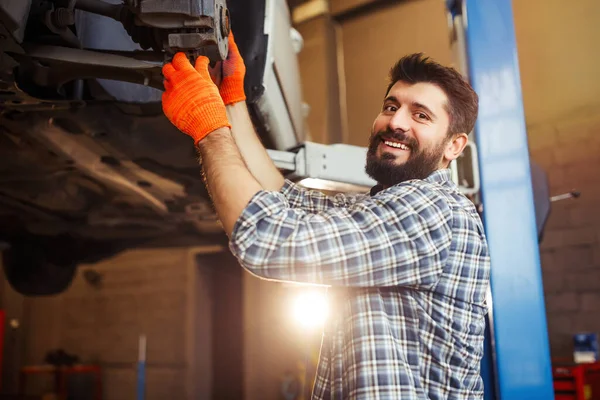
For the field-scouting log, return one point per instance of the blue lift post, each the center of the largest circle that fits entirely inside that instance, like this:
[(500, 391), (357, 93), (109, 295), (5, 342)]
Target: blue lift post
[(521, 362)]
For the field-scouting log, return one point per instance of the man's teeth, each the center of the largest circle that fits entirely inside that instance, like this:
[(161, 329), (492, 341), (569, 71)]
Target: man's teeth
[(396, 145)]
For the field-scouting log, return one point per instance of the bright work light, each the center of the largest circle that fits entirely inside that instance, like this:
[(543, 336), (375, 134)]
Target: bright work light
[(310, 309)]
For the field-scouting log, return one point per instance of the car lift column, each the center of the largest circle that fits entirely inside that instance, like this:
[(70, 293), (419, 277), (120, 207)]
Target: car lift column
[(521, 359)]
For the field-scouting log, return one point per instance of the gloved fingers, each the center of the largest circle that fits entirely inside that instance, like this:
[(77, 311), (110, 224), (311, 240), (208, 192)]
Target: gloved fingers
[(216, 73), (181, 62), (229, 69), (232, 44), (168, 85), (168, 70), (202, 65), (234, 52)]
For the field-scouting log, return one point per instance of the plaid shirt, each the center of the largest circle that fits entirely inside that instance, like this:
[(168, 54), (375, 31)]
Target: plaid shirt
[(409, 271)]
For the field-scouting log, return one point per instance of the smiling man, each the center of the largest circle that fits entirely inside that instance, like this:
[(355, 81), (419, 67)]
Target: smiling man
[(407, 264)]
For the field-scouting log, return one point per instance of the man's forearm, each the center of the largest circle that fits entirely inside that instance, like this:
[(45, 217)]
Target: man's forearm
[(252, 150), (229, 182)]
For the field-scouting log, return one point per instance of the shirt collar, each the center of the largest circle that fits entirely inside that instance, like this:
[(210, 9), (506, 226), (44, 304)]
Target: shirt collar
[(440, 176), (437, 176)]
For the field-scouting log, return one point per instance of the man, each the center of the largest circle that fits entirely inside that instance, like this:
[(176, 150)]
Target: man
[(408, 263)]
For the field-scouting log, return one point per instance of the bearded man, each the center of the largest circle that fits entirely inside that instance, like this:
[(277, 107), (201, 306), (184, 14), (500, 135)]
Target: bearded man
[(408, 263)]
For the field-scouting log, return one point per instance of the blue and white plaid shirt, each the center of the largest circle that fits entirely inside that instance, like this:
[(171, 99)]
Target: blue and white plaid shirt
[(409, 268)]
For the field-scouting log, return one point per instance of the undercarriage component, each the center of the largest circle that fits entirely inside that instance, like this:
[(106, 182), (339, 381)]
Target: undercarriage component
[(123, 175), (39, 266), (331, 167), (152, 201), (63, 64), (13, 15), (110, 168), (114, 11), (58, 20), (51, 75), (196, 27), (341, 167)]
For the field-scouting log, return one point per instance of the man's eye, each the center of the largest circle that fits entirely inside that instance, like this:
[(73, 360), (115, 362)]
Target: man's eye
[(390, 108), (422, 116)]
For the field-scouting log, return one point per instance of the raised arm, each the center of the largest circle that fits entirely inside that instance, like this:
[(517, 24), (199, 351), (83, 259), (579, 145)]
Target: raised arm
[(254, 154), (252, 150), (230, 79)]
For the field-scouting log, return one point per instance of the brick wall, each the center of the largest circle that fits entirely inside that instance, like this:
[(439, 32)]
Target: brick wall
[(163, 294), (569, 151), (214, 331)]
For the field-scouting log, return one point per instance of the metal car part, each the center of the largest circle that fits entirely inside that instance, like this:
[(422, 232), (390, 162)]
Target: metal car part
[(272, 85), (339, 163), (12, 97), (135, 185), (196, 27), (465, 170), (58, 20), (341, 167), (122, 175), (62, 64), (53, 66), (114, 11), (14, 14)]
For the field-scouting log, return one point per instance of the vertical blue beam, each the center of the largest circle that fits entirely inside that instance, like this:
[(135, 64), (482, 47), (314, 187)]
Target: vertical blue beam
[(141, 368), (522, 359)]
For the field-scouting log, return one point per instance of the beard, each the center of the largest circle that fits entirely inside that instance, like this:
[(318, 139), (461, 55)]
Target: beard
[(420, 164)]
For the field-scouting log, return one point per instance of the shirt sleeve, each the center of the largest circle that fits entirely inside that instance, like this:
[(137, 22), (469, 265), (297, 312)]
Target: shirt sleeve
[(313, 201), (401, 238)]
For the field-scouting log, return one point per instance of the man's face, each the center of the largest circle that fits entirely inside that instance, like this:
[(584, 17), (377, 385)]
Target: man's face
[(409, 137)]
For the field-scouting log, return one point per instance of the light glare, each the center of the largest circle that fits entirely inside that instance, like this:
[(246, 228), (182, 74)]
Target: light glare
[(310, 309)]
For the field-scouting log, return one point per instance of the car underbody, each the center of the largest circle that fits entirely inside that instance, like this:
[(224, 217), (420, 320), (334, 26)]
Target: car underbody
[(89, 164)]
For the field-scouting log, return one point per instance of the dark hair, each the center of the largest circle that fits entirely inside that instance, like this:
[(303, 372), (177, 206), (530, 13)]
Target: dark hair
[(463, 102)]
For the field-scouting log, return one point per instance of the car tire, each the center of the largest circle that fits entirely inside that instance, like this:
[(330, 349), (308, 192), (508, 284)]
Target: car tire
[(39, 266)]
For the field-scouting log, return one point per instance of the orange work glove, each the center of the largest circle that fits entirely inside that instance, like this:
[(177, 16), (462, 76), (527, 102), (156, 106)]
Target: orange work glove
[(191, 100), (233, 72)]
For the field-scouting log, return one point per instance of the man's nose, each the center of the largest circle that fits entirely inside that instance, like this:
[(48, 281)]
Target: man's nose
[(400, 121)]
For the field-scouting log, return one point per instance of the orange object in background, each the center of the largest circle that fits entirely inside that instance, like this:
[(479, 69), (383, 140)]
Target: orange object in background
[(576, 381)]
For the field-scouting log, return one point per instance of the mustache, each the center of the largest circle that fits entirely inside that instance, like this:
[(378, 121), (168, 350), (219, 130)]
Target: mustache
[(398, 136)]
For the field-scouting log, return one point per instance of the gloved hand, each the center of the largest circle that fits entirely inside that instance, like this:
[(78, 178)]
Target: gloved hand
[(191, 100), (233, 73)]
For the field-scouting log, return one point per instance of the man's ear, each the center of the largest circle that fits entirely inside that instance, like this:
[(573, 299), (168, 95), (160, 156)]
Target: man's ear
[(455, 146)]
